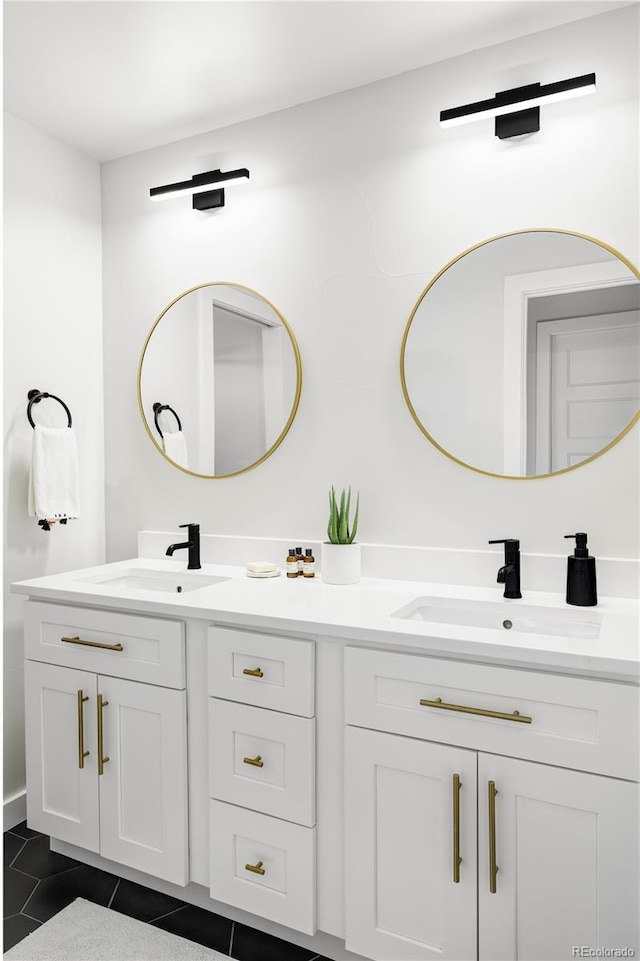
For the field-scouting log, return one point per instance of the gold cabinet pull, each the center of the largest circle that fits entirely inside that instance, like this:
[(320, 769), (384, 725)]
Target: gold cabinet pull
[(457, 860), (255, 868), (81, 751), (515, 716), (101, 760), (493, 867), (80, 640), (253, 672), (256, 761)]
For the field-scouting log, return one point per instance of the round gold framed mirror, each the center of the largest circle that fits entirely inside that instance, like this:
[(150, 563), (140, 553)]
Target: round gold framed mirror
[(219, 380), (521, 357)]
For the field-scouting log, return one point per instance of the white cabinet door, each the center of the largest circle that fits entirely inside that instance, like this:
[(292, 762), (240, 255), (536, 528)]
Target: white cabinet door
[(143, 788), (62, 786), (566, 849), (402, 900)]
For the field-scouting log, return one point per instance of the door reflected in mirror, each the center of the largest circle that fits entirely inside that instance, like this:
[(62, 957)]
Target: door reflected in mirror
[(521, 357), (219, 380)]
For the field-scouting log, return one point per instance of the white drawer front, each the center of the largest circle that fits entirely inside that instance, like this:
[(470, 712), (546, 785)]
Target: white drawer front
[(135, 647), (576, 723), (282, 886), (261, 669), (262, 760)]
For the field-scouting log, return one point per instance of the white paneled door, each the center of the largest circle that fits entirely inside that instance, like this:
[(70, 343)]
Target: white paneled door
[(410, 817), (587, 385), (566, 852), (62, 781), (143, 787)]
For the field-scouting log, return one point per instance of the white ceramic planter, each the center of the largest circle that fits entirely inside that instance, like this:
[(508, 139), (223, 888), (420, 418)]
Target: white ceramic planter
[(341, 563)]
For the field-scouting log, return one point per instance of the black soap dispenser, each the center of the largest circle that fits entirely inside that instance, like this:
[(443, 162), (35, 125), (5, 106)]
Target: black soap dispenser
[(581, 574)]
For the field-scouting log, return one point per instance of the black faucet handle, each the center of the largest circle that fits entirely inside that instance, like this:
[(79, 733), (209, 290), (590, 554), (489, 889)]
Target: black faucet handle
[(194, 527), (511, 541)]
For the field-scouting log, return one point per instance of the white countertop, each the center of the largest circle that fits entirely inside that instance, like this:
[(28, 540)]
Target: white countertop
[(363, 613)]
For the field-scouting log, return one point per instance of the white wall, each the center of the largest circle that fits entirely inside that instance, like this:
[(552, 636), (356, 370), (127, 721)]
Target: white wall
[(52, 341), (354, 202)]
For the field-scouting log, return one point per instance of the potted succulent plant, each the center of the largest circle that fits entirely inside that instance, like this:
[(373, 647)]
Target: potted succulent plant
[(341, 556)]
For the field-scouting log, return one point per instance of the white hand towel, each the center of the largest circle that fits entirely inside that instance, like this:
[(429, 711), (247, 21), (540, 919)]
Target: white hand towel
[(53, 479), (175, 447)]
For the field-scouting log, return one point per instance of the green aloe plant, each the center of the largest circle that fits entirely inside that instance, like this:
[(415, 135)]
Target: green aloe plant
[(339, 530)]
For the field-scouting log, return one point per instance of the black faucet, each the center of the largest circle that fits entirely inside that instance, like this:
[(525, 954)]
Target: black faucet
[(509, 574), (192, 545)]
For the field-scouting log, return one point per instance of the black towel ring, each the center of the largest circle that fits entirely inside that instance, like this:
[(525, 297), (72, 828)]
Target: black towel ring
[(157, 409), (35, 396)]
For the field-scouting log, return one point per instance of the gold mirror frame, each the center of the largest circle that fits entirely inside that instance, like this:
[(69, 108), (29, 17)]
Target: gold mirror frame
[(520, 477), (296, 399)]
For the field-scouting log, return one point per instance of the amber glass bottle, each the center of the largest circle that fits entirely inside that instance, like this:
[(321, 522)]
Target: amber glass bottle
[(309, 564), (292, 564)]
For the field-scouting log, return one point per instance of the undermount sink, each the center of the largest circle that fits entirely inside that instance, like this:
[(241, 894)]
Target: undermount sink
[(500, 616), (171, 582)]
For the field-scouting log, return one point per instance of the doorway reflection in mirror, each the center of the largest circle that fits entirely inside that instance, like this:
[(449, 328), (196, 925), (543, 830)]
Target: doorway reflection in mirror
[(522, 356), (231, 365)]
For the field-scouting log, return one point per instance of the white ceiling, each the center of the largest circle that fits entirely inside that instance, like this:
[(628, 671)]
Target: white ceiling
[(114, 77)]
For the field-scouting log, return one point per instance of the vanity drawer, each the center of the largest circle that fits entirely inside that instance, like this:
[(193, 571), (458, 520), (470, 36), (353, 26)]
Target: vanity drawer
[(262, 669), (577, 723), (283, 885), (263, 760), (137, 648)]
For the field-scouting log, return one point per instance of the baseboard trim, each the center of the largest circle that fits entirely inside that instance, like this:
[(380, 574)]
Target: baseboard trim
[(15, 810)]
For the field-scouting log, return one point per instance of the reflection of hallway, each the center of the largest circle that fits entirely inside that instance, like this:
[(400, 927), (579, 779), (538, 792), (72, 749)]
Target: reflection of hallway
[(222, 366), (238, 389)]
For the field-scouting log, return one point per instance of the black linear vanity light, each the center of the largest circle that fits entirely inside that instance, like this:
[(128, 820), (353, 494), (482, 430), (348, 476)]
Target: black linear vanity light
[(510, 123), (203, 199)]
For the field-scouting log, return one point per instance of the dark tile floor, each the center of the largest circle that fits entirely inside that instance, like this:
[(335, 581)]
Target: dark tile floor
[(38, 883)]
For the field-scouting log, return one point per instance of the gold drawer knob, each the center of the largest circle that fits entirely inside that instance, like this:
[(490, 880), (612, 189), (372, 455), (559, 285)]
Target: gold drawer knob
[(253, 672), (256, 761), (255, 868)]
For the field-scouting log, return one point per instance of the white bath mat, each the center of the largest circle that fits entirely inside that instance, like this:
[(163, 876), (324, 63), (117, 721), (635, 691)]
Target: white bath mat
[(88, 932)]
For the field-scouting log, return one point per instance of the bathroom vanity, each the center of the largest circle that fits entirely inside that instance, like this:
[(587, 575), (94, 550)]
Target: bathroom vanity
[(385, 763)]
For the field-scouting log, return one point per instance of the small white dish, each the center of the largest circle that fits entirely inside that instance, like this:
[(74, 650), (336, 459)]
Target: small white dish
[(264, 574)]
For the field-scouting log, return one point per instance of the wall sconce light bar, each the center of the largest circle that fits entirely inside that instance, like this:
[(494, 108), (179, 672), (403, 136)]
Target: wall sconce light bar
[(203, 199), (528, 98)]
